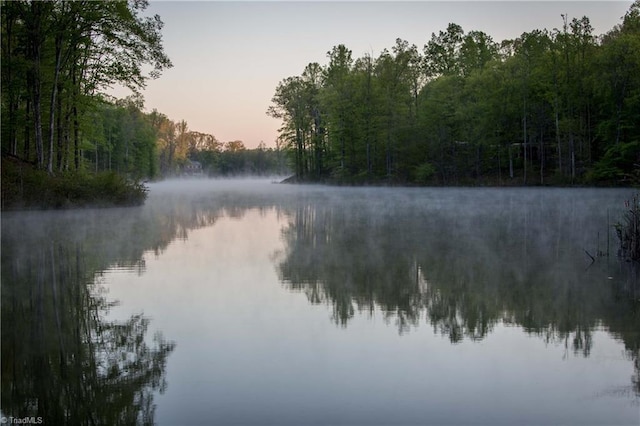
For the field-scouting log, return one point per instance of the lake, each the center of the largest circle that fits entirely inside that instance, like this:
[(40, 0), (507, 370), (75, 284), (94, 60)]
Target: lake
[(249, 302)]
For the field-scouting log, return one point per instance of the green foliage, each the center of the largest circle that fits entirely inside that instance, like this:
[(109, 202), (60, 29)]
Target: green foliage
[(619, 163), (57, 56), (254, 162), (24, 186), (120, 138), (549, 106), (106, 188), (424, 173)]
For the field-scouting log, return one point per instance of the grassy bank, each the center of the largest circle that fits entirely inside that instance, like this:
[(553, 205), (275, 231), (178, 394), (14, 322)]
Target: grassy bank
[(25, 187)]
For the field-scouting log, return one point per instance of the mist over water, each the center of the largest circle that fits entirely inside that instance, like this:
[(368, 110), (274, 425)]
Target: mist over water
[(308, 304)]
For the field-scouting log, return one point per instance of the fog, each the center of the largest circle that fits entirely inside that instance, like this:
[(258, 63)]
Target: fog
[(255, 282)]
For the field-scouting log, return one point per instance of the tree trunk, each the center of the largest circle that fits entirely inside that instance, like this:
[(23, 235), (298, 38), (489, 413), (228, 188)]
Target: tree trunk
[(12, 122), (573, 156), (27, 133), (76, 138), (36, 78), (76, 123), (619, 105), (37, 120), (559, 149), (59, 134), (299, 155), (541, 155), (52, 103), (524, 139), (510, 163), (499, 167), (388, 153)]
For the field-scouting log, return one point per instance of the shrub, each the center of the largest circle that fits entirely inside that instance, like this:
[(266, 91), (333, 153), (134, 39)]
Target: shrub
[(628, 230), (23, 186), (424, 172), (618, 164)]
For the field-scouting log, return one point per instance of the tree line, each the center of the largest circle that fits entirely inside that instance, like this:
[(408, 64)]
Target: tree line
[(125, 139), (57, 56), (559, 106), (58, 59)]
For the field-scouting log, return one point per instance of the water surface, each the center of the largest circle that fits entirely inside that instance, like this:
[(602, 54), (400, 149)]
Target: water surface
[(247, 302)]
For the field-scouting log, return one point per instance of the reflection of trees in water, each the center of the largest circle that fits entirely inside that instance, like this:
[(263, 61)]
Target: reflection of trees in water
[(623, 316), (514, 264), (349, 269), (61, 360)]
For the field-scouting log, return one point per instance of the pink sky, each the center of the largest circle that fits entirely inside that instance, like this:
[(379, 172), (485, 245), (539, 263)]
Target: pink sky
[(229, 56)]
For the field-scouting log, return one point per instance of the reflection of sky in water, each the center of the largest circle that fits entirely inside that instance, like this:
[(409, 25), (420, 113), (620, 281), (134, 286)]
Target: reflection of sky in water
[(250, 351)]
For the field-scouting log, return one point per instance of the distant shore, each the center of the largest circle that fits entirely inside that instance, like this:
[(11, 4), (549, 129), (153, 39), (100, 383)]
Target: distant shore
[(485, 182)]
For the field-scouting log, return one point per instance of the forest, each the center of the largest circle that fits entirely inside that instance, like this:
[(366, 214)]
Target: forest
[(59, 127), (551, 107), (559, 107)]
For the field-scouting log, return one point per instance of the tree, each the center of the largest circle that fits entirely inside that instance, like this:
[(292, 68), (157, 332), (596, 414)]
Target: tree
[(70, 51), (183, 140), (393, 76), (468, 107), (234, 146), (313, 79), (203, 142), (367, 96), (531, 50), (442, 52), (338, 102), (289, 104), (618, 85), (166, 141), (477, 49)]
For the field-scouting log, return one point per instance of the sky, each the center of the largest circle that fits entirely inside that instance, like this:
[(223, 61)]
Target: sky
[(228, 57)]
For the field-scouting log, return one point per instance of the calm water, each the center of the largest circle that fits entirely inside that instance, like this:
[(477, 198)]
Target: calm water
[(246, 302)]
